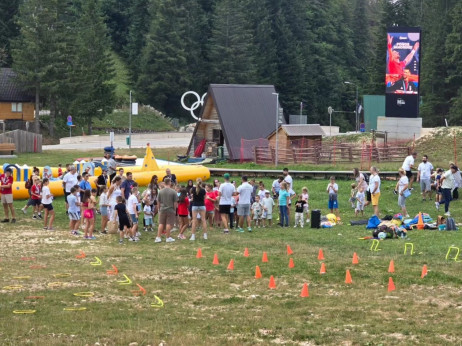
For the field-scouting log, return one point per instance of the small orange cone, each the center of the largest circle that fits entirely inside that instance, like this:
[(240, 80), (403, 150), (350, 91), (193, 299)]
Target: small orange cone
[(291, 263), (246, 252), (355, 258), (257, 272), (199, 253), (420, 224), (289, 250), (348, 279), (323, 269), (231, 265), (391, 285), (264, 258), (272, 283), (391, 267), (215, 260), (424, 271), (305, 293), (321, 255)]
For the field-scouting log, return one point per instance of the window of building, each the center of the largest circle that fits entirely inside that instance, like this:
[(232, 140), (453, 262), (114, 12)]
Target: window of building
[(16, 107)]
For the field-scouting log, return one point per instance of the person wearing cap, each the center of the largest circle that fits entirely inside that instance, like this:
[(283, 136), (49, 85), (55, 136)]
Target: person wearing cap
[(268, 204), (111, 166), (101, 181), (408, 165), (6, 187), (225, 197)]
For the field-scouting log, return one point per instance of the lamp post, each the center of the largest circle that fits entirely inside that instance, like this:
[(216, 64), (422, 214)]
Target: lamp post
[(357, 100), (277, 127), (130, 124)]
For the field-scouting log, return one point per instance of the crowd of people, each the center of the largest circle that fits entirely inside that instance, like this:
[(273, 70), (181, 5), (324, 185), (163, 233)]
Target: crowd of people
[(225, 205)]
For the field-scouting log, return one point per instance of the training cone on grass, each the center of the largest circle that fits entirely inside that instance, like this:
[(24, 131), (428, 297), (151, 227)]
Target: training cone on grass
[(199, 253), (348, 279), (264, 258), (215, 260), (291, 263), (305, 293), (231, 265), (420, 224), (391, 267), (272, 283), (289, 250), (246, 252), (320, 255), (257, 272), (391, 284), (355, 258), (323, 269), (424, 271)]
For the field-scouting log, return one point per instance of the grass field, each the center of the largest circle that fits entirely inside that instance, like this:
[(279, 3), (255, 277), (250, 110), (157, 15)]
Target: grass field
[(208, 304)]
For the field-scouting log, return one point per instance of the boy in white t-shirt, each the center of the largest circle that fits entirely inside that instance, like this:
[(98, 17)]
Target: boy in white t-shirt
[(257, 211), (332, 190), (147, 210), (268, 204), (132, 207), (360, 200)]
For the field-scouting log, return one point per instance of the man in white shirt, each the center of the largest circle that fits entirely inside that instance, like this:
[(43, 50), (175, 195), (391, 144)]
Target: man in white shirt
[(276, 186), (408, 165), (225, 193), (424, 172), (243, 208), (287, 178), (69, 181)]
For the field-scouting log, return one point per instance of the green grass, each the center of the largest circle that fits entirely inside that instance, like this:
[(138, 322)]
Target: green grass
[(121, 80), (206, 304)]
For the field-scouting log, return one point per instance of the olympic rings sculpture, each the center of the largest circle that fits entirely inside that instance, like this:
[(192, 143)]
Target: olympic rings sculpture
[(195, 105)]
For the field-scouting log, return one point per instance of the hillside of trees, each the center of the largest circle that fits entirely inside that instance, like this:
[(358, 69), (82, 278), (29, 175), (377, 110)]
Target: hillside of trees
[(307, 49)]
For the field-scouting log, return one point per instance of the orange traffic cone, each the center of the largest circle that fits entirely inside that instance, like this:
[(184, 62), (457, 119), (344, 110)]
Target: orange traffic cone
[(348, 279), (291, 263), (323, 269), (199, 253), (264, 258), (246, 252), (215, 260), (391, 285), (320, 255), (272, 283), (257, 272), (305, 293), (231, 265), (355, 258), (420, 224), (289, 250), (391, 267), (424, 271)]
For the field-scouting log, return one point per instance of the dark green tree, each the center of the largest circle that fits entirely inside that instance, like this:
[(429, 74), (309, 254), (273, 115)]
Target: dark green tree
[(8, 29)]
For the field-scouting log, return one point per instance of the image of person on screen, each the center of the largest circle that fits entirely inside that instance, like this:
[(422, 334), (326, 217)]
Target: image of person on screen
[(404, 85), (395, 65)]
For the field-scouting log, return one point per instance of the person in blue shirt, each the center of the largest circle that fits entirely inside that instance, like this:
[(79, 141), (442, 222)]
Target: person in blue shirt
[(283, 199), (84, 184)]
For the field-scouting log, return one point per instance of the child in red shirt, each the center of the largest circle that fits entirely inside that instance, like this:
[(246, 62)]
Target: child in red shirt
[(36, 198), (183, 212), (210, 199)]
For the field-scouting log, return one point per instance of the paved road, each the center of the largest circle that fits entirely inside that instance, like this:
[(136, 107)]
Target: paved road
[(157, 140)]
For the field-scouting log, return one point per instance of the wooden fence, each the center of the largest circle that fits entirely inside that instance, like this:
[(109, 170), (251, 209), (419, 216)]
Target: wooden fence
[(25, 142)]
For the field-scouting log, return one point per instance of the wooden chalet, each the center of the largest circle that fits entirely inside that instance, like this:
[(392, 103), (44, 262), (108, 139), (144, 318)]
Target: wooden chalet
[(297, 136), (15, 102)]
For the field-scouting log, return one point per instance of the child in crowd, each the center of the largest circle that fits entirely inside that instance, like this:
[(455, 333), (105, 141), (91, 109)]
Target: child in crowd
[(306, 197), (353, 192), (103, 205), (233, 211), (439, 174), (261, 191), (36, 198), (209, 201), (147, 210), (360, 201), (299, 212), (88, 215), (257, 211), (74, 210), (121, 212), (332, 190), (132, 207), (60, 170), (47, 200), (183, 212), (268, 204)]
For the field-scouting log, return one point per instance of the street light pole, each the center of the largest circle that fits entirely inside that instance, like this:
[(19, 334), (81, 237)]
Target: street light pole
[(130, 124), (277, 128), (357, 100)]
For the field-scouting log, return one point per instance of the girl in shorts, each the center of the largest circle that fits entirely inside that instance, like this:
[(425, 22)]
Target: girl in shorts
[(47, 200), (306, 197), (121, 212), (88, 214), (103, 205), (210, 199), (183, 212)]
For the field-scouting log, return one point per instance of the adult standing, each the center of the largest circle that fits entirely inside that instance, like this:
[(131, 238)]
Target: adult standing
[(447, 185), (287, 178), (84, 184), (243, 208), (112, 194), (127, 186), (408, 166), (101, 181), (168, 201), (69, 181), (121, 174), (198, 208), (111, 166), (276, 186), (7, 195), (374, 189), (225, 197), (457, 184), (401, 187), (168, 174), (424, 173)]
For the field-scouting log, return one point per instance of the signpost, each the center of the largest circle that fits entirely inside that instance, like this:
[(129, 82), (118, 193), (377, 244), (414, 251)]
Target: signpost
[(70, 124)]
